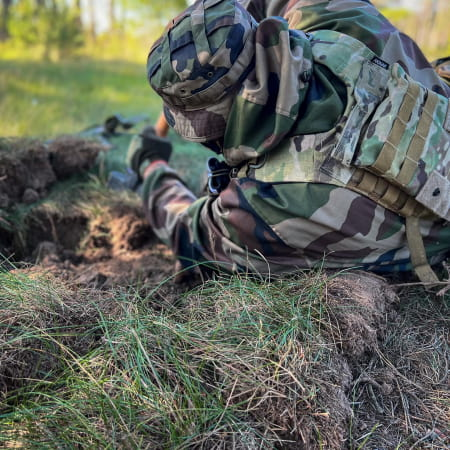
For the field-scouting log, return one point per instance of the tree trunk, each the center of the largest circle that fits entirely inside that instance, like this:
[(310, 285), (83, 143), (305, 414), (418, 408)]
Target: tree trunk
[(4, 20), (92, 21), (112, 14), (78, 20)]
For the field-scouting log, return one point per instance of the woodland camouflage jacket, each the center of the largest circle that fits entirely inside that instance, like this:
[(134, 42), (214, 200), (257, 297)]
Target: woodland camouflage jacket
[(262, 221)]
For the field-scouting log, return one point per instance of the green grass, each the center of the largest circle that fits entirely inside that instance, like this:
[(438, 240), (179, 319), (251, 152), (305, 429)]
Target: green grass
[(39, 99), (206, 371), (46, 99), (236, 363)]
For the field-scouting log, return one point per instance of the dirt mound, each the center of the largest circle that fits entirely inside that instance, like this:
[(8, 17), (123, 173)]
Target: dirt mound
[(120, 229), (116, 247), (25, 168), (28, 168), (47, 224), (358, 303), (70, 155)]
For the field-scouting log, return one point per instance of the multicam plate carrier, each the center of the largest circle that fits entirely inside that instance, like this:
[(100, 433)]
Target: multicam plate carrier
[(391, 144)]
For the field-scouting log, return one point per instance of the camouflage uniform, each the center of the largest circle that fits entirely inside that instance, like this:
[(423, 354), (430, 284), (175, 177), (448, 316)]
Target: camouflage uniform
[(272, 99)]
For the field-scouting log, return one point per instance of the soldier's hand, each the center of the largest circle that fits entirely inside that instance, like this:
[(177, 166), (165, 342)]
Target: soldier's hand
[(147, 147)]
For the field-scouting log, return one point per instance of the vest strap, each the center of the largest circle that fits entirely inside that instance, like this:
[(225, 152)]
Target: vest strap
[(419, 141), (393, 198), (417, 251), (447, 119)]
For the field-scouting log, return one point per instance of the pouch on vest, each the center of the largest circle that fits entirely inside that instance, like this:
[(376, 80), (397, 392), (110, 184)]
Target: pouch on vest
[(397, 147), (407, 142), (406, 138)]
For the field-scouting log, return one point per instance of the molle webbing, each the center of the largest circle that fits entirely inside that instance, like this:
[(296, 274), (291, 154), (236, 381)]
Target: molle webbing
[(384, 161), (418, 143), (386, 194)]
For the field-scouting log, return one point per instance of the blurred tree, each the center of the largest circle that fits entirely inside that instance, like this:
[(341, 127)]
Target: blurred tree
[(78, 14), (426, 21), (112, 14), (54, 24), (4, 20), (133, 16), (92, 21), (163, 10), (156, 7)]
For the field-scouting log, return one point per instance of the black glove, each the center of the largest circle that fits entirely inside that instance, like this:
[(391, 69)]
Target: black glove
[(147, 147), (442, 68)]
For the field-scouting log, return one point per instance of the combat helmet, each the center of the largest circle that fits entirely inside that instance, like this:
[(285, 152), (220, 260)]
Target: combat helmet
[(199, 63)]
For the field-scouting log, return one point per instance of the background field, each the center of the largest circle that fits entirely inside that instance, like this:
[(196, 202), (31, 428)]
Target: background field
[(70, 81)]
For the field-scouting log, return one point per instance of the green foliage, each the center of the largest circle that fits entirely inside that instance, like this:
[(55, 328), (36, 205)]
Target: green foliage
[(58, 29), (158, 10), (53, 24), (397, 14)]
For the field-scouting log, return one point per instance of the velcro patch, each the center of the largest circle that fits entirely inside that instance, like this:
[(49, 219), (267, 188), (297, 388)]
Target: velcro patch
[(380, 62), (435, 195)]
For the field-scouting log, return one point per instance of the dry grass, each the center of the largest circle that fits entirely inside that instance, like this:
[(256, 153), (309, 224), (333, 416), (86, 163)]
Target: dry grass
[(308, 361), (407, 377), (39, 315)]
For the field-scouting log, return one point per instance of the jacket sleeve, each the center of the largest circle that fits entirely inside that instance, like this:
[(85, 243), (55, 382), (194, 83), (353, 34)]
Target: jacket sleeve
[(261, 9), (361, 20), (224, 231)]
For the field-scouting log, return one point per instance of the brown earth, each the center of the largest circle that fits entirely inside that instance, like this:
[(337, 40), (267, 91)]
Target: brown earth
[(28, 168), (378, 381)]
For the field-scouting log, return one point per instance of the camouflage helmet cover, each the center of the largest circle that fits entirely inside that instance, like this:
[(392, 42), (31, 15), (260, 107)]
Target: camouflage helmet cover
[(199, 62)]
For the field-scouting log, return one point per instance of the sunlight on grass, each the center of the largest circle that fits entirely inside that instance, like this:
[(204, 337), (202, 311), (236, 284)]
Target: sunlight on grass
[(41, 99)]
